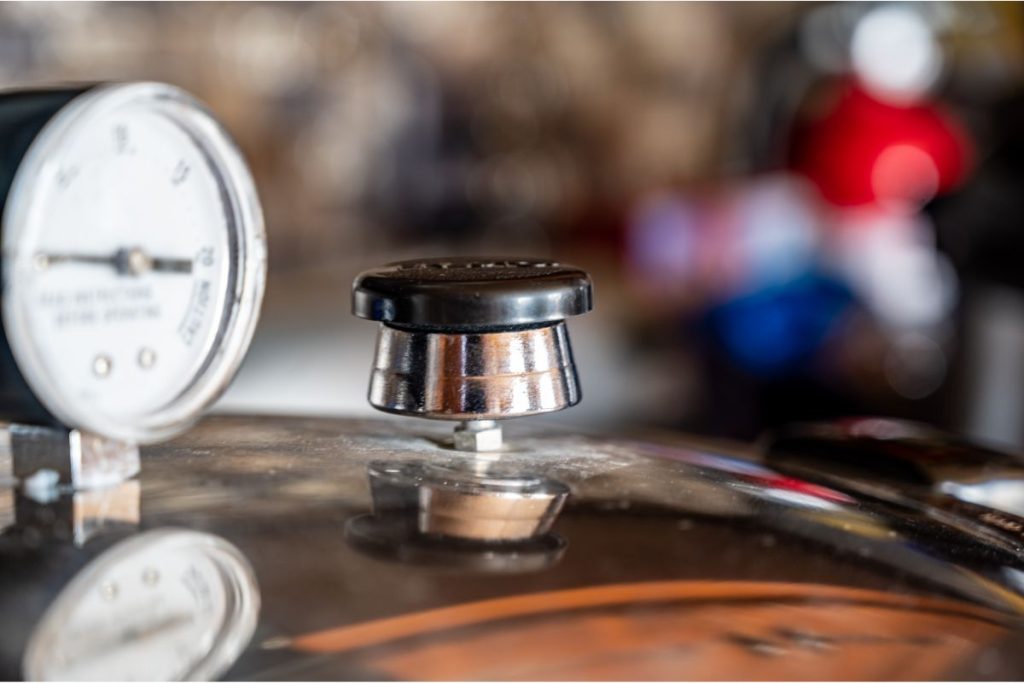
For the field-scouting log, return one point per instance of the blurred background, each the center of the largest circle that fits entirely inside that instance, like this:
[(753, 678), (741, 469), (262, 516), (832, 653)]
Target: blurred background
[(790, 210)]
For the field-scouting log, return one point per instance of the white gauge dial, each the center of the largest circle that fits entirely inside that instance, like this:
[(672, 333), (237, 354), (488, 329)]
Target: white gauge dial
[(133, 261), (165, 605)]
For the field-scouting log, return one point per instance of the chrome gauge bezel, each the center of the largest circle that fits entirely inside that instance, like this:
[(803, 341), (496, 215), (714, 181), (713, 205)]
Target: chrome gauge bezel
[(233, 569), (247, 271)]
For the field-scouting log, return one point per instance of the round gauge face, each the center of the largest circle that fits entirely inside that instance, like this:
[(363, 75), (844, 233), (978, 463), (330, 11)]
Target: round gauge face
[(165, 605), (134, 261)]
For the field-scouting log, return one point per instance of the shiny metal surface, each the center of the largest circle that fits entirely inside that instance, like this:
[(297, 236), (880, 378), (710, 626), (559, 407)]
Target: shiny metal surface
[(473, 376), (133, 641), (668, 560), (916, 459), (75, 517), (487, 503)]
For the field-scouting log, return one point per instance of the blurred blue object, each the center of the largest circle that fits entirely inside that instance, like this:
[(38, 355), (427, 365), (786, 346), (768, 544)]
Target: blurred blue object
[(775, 329)]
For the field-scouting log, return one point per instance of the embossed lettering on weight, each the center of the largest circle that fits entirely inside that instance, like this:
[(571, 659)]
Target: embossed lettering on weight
[(1003, 522)]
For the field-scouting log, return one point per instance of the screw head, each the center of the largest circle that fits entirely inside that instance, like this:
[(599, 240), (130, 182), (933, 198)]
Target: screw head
[(102, 365), (478, 436)]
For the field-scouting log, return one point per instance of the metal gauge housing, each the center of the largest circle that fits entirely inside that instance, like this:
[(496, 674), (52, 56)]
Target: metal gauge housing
[(134, 259)]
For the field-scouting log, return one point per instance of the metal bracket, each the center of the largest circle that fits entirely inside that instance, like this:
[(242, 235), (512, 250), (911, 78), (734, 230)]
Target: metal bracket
[(52, 457), (77, 516)]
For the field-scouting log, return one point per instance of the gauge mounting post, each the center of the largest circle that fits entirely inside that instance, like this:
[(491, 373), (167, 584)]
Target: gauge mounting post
[(473, 340)]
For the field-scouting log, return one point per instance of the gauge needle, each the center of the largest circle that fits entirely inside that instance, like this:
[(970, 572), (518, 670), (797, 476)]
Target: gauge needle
[(132, 262), (127, 637)]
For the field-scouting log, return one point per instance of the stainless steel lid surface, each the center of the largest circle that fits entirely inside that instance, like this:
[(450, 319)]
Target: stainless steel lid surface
[(378, 551)]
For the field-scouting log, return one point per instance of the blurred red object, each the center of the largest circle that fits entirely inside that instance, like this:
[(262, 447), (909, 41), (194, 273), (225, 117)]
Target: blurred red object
[(864, 151)]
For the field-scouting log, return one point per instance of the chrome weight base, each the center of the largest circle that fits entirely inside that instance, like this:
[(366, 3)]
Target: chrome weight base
[(473, 376)]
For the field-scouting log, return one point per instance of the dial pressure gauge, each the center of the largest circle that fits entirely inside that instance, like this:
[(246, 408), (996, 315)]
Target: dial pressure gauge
[(133, 259), (166, 605)]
